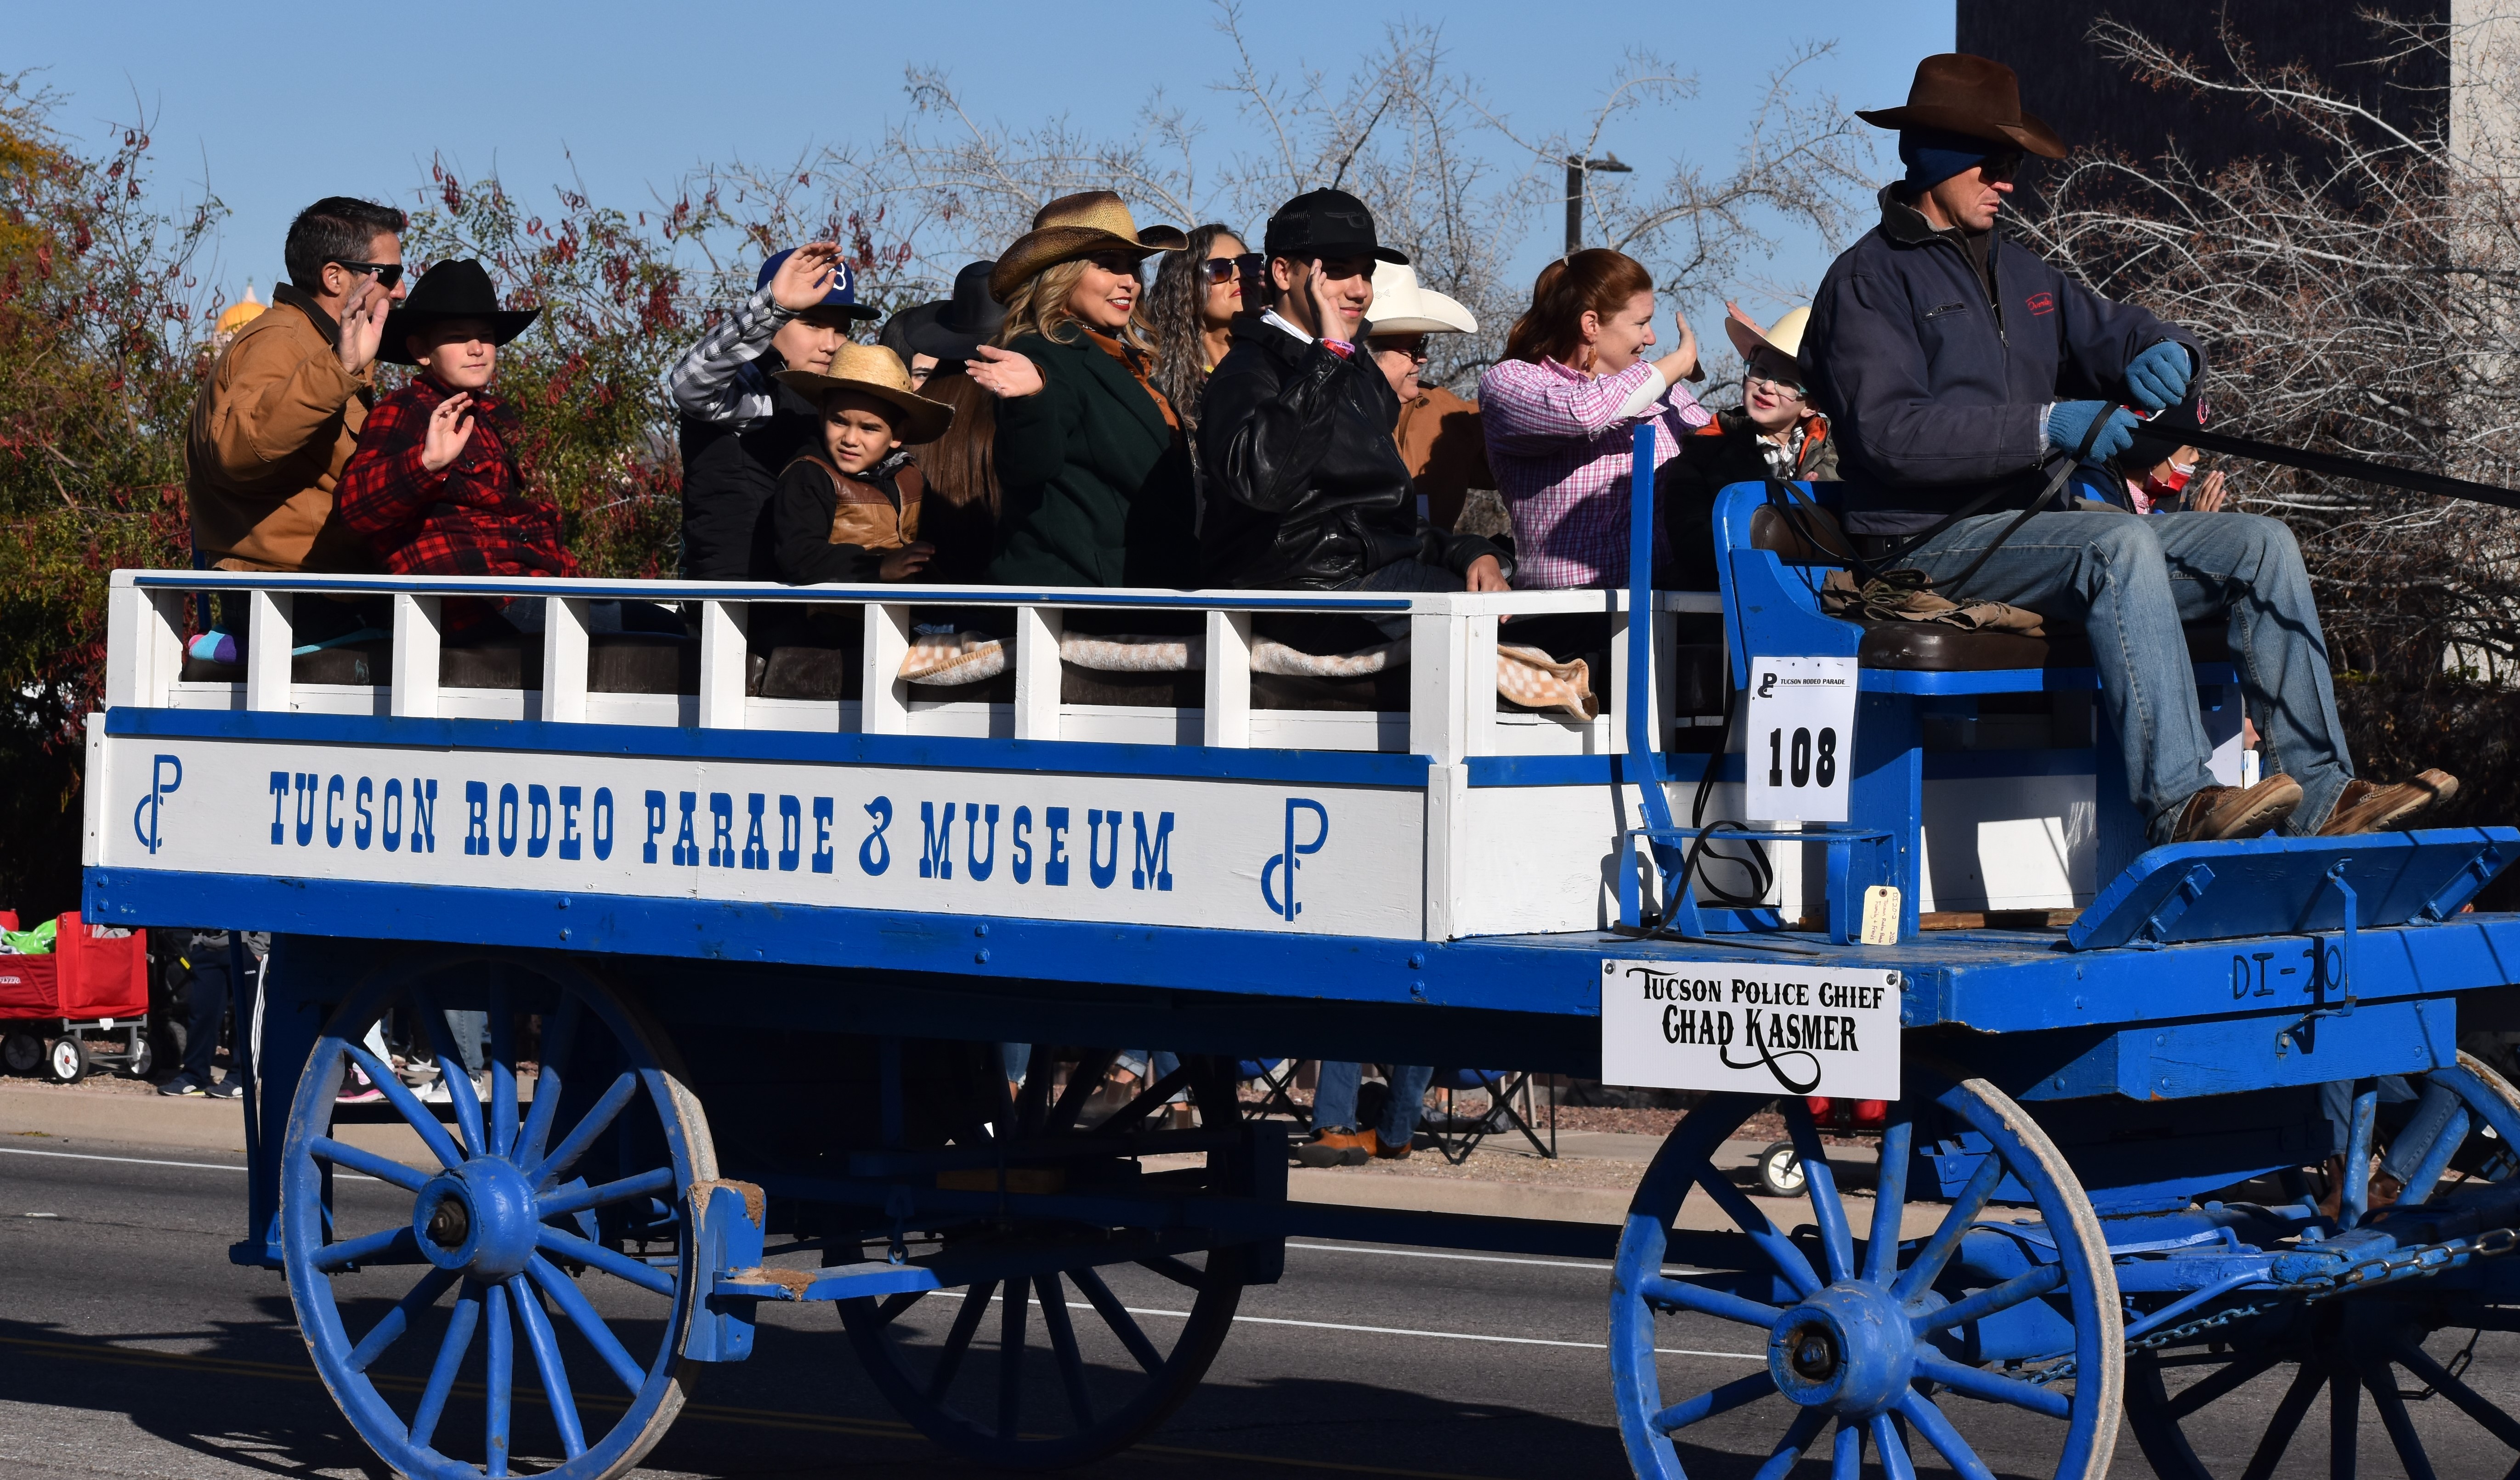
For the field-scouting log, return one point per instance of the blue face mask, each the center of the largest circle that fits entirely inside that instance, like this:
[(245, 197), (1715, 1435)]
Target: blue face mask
[(1933, 156)]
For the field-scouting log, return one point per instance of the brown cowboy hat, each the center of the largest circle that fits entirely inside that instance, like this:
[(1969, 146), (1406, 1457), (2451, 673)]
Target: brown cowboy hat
[(1072, 227), (870, 369), (1962, 94)]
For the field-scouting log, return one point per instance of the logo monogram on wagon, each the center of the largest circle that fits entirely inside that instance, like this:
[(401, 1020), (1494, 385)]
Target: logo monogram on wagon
[(166, 775), (1293, 856)]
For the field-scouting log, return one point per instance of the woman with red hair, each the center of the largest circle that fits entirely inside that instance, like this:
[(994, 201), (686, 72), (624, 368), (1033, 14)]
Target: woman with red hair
[(1560, 413)]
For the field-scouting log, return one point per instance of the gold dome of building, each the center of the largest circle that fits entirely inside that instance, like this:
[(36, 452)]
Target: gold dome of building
[(239, 313)]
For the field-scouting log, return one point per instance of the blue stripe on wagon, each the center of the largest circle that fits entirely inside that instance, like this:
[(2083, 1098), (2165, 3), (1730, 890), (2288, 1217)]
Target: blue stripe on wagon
[(1354, 768), (744, 591), (1685, 769), (1993, 981), (1338, 967)]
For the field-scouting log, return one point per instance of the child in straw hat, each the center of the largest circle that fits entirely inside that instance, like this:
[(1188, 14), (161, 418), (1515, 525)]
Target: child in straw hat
[(847, 506)]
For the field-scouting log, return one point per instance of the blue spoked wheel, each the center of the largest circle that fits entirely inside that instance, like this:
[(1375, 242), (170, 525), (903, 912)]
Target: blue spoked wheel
[(1061, 1341), (1872, 1342), (2198, 1407), (559, 1219)]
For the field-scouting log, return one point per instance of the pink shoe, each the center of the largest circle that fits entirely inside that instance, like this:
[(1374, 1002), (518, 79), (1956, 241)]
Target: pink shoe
[(360, 1090)]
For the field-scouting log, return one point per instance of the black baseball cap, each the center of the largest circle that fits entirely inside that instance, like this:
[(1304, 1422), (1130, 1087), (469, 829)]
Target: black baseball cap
[(1326, 223)]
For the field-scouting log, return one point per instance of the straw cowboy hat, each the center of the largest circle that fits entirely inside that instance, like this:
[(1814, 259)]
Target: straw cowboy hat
[(1961, 93), (1748, 338), (1072, 227), (453, 289), (870, 369), (1401, 306)]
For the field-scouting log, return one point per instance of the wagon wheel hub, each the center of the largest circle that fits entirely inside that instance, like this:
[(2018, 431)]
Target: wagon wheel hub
[(1849, 1348), (480, 1220)]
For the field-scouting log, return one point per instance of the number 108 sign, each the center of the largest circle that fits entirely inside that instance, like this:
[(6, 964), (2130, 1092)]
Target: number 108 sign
[(1801, 739)]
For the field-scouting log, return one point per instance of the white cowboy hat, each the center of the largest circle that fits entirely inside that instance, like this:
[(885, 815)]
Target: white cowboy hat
[(1401, 306), (1786, 337)]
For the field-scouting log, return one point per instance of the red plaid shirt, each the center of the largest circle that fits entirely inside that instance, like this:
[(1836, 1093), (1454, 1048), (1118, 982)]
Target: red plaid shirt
[(471, 517)]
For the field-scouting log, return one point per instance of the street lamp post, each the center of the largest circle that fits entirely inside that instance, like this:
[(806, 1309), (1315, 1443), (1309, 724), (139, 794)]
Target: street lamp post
[(1576, 165)]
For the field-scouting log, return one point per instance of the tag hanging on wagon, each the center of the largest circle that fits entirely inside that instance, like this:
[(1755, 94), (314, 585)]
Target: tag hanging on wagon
[(1800, 740)]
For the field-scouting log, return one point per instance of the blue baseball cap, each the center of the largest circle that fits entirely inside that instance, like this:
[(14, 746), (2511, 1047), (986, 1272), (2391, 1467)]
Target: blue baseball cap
[(843, 294)]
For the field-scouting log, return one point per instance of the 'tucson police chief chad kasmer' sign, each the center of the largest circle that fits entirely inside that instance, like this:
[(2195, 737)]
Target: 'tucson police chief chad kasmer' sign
[(1750, 1026), (1301, 858)]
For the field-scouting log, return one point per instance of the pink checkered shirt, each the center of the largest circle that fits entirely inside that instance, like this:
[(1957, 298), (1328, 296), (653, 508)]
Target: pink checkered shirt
[(1562, 453)]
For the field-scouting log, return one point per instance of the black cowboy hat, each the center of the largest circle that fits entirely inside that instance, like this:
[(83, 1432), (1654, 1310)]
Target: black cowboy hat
[(965, 322), (1961, 93), (455, 289)]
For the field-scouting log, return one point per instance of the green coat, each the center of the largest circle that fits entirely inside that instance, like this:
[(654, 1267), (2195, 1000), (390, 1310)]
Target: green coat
[(1093, 485)]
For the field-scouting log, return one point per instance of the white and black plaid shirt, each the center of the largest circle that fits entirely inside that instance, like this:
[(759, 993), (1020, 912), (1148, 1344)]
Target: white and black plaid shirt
[(721, 379)]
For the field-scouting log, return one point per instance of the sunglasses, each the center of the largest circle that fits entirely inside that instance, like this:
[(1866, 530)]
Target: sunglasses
[(1216, 270), (387, 273), (1782, 391), (1413, 346)]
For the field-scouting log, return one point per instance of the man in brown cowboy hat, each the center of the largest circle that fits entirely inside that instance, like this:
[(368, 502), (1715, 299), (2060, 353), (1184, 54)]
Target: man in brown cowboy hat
[(1956, 372)]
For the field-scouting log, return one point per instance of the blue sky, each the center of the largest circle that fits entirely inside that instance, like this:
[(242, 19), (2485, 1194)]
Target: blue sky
[(274, 104)]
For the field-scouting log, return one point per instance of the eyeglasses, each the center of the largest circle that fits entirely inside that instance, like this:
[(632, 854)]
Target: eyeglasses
[(1216, 270), (1782, 391), (387, 273), (1414, 345), (1998, 169)]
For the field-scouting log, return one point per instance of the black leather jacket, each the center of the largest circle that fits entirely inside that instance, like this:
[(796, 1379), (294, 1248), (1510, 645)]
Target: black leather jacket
[(1305, 487)]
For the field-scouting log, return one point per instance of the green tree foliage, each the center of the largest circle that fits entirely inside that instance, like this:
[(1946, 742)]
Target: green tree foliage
[(100, 334)]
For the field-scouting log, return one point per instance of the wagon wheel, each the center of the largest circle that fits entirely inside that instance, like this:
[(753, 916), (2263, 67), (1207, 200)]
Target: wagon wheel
[(1840, 1320), (2345, 1358), (508, 1226), (1076, 1372)]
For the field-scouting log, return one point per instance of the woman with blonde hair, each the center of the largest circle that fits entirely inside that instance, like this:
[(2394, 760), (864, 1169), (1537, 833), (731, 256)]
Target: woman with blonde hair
[(1093, 475)]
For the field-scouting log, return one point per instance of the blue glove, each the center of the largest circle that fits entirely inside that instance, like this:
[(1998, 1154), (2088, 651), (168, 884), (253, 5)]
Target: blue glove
[(2067, 420), (2158, 377)]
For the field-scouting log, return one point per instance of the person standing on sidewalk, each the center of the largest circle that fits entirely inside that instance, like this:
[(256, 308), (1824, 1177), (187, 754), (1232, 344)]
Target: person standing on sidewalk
[(211, 959)]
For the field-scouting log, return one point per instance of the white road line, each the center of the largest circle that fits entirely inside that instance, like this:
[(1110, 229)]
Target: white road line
[(1391, 1330), (1546, 1263), (137, 1161), (150, 1161), (1356, 1248)]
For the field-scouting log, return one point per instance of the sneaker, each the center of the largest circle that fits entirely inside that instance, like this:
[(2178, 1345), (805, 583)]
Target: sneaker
[(2367, 808), (181, 1084), (358, 1089), (226, 1089), (2218, 813), (1336, 1148), (436, 1094)]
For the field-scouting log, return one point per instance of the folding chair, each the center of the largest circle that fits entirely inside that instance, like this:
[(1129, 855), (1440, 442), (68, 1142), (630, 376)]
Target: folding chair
[(1457, 1140)]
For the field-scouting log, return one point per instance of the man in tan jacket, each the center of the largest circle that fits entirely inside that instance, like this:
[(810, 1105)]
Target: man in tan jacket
[(281, 412)]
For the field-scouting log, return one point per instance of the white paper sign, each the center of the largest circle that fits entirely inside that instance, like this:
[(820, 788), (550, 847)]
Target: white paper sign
[(1750, 1026), (1801, 738)]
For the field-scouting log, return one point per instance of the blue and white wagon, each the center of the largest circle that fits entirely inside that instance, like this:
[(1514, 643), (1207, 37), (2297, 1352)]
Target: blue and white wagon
[(641, 856)]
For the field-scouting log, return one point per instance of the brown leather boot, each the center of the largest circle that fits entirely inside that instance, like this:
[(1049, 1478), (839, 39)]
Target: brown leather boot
[(2217, 814), (1336, 1148), (2367, 808)]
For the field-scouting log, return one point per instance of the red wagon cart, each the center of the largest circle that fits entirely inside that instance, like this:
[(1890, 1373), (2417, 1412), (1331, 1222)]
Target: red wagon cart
[(96, 982)]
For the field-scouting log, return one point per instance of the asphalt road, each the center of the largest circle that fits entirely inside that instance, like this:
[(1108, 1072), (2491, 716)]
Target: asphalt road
[(129, 1346)]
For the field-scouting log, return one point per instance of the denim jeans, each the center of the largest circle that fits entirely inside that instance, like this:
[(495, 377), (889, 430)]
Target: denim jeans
[(2131, 582), (1334, 1099), (468, 1029)]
